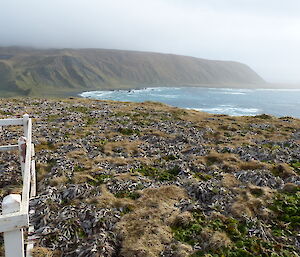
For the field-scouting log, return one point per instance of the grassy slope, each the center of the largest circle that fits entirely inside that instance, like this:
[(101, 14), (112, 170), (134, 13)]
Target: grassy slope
[(134, 154), (38, 72)]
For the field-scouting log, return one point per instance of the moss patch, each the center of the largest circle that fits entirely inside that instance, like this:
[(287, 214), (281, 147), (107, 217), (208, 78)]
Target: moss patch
[(287, 208), (226, 237), (159, 174)]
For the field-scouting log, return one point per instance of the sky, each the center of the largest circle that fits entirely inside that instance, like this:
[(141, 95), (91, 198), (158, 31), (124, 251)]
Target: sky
[(264, 34)]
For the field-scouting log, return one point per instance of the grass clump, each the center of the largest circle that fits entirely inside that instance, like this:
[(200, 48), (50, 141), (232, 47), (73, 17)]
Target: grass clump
[(202, 176), (53, 117), (271, 146), (99, 179), (256, 191), (170, 157), (296, 166), (127, 194), (42, 252), (284, 170), (128, 131), (264, 116), (159, 174), (81, 109), (145, 231), (91, 121), (45, 145), (2, 112), (78, 168)]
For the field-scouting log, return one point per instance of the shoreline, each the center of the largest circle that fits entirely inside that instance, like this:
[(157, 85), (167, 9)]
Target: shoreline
[(223, 100), (140, 89), (266, 86)]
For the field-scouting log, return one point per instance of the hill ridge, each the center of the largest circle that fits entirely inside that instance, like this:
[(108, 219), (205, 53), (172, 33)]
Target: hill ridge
[(28, 71)]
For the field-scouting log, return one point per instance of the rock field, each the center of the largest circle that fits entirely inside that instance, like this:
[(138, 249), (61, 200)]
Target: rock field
[(147, 179)]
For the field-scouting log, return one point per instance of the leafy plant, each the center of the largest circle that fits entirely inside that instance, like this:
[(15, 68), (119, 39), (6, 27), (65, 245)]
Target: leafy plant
[(197, 233), (287, 208)]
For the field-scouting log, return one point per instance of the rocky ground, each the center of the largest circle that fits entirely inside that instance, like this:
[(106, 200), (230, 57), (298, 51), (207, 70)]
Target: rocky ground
[(129, 179)]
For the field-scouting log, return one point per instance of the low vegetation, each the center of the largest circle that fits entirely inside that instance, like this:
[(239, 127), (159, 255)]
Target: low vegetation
[(146, 179)]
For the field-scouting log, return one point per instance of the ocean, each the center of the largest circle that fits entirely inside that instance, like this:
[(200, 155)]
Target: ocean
[(235, 102)]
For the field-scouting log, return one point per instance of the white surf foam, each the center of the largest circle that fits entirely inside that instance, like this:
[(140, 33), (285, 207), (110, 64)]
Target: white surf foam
[(233, 111)]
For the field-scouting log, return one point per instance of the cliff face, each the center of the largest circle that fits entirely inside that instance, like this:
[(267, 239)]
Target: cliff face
[(32, 71)]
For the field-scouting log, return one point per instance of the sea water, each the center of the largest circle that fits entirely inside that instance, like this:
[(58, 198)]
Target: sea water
[(236, 102)]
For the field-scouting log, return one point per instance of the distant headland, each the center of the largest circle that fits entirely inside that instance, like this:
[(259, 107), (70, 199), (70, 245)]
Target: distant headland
[(58, 72)]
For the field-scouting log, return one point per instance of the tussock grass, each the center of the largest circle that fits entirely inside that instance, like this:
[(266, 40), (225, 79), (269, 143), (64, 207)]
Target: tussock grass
[(251, 202), (58, 181), (145, 230), (42, 252), (129, 147), (107, 199), (229, 181)]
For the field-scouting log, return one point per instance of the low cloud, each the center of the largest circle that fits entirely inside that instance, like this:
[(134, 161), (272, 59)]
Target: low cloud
[(262, 34)]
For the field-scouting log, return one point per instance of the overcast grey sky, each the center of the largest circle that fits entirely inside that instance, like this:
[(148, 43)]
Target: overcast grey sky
[(264, 34)]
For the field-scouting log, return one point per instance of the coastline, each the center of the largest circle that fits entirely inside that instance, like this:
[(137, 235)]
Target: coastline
[(222, 100)]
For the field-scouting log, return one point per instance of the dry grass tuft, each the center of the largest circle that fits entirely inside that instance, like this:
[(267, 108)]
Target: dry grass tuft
[(217, 215), (194, 116), (252, 165), (80, 177), (145, 231), (77, 154), (214, 239), (58, 181), (284, 170), (182, 219), (41, 171), (44, 145), (158, 133), (131, 177), (120, 161), (126, 146), (229, 181), (215, 157), (251, 202), (41, 252), (107, 199), (219, 240), (229, 162), (183, 250), (290, 188)]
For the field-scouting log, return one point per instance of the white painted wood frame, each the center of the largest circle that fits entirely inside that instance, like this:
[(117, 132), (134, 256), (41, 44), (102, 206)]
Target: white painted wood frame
[(15, 215)]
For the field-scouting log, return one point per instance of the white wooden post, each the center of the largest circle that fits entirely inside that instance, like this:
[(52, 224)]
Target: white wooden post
[(13, 240), (22, 152), (33, 176), (25, 123)]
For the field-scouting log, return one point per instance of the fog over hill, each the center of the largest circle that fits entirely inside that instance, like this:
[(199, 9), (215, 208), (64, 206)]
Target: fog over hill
[(26, 71)]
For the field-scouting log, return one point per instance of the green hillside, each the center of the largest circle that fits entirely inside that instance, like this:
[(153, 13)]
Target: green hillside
[(25, 71)]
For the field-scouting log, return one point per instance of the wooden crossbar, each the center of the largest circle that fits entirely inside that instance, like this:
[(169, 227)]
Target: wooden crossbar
[(4, 148), (11, 122), (9, 222)]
